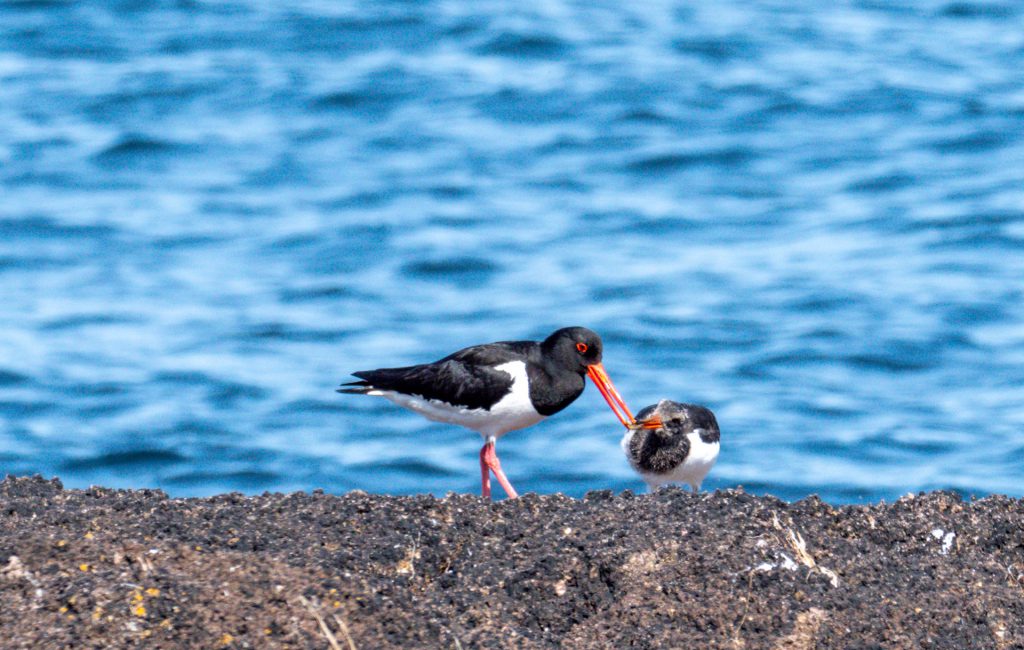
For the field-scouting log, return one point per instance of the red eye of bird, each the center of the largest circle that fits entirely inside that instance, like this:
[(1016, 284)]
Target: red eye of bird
[(582, 347)]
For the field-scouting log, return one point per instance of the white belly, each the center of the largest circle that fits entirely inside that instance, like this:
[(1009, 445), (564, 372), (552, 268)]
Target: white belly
[(514, 411)]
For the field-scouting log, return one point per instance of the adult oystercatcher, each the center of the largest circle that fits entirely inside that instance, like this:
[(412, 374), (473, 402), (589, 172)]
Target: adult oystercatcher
[(498, 387), (672, 443)]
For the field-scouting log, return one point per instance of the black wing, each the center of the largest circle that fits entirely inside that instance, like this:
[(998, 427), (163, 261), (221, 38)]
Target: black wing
[(466, 378)]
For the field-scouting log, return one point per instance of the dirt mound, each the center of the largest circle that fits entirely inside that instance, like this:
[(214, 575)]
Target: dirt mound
[(103, 568)]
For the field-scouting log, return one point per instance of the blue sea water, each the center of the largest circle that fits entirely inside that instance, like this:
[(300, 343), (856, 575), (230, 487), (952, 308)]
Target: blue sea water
[(808, 216)]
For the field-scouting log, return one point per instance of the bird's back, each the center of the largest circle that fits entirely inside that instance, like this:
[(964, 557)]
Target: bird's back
[(469, 378)]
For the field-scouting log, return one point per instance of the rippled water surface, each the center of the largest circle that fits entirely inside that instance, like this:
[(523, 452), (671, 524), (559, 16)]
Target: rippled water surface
[(808, 216)]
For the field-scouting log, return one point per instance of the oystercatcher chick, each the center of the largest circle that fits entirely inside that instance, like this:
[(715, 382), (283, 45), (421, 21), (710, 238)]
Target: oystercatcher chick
[(672, 443), (498, 387)]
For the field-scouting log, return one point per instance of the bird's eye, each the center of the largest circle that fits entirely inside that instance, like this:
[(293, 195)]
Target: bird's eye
[(582, 348)]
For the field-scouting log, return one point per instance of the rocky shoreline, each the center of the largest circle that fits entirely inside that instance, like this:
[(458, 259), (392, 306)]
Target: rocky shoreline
[(102, 568)]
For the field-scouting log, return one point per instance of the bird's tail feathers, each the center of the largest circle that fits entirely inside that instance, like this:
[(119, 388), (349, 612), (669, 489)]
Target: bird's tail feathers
[(357, 388)]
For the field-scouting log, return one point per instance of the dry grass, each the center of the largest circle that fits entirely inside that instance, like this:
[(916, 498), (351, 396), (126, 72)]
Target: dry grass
[(328, 634), (795, 541)]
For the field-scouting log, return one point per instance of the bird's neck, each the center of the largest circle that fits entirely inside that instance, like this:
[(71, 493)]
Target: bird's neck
[(551, 390)]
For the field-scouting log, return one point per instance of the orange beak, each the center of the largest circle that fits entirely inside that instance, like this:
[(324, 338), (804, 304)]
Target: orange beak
[(600, 377), (653, 422)]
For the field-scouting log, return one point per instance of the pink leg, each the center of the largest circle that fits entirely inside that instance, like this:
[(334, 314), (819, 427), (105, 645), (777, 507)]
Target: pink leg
[(489, 457), (485, 474)]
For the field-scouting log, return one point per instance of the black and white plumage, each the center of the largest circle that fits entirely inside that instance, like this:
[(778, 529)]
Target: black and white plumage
[(497, 387), (672, 442)]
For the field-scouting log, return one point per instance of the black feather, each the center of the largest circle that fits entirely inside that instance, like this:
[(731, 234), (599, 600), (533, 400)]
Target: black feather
[(466, 378)]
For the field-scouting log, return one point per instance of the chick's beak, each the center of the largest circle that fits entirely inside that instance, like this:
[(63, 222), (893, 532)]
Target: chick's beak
[(653, 422), (604, 384)]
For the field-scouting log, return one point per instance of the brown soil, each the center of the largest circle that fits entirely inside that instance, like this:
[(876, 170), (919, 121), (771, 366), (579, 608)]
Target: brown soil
[(102, 568)]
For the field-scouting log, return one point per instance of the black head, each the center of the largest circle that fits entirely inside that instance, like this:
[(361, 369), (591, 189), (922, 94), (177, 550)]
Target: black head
[(668, 418), (574, 347)]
